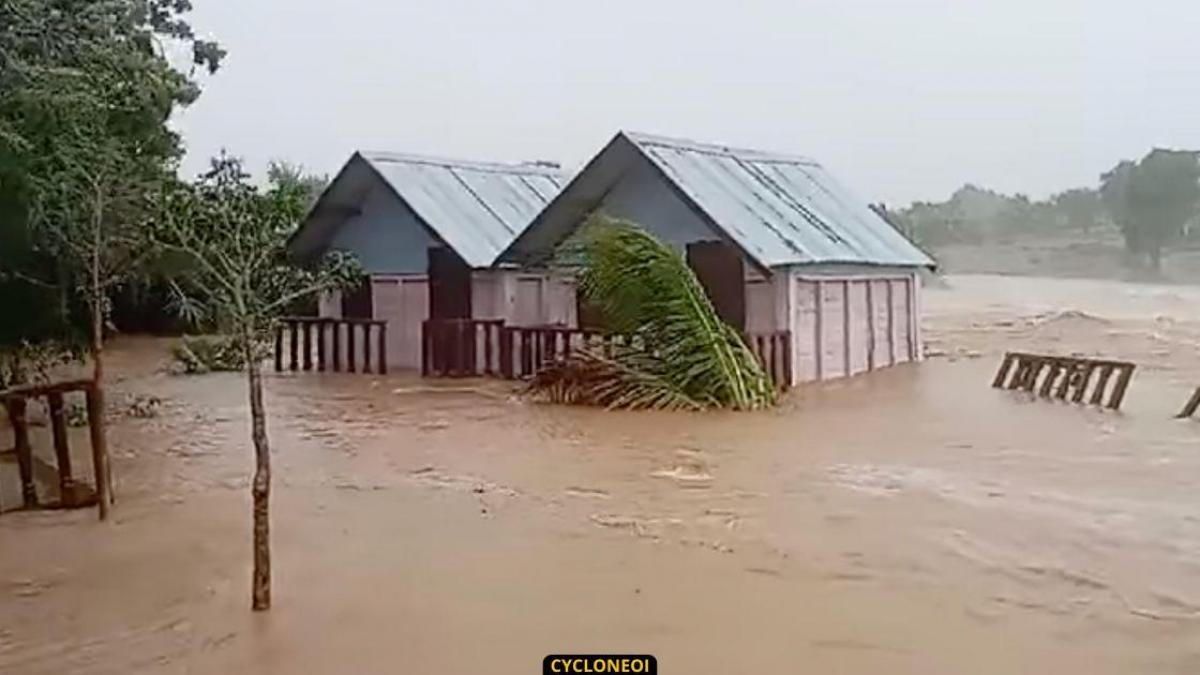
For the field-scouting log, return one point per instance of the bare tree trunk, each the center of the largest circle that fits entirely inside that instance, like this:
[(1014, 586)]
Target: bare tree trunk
[(100, 438), (260, 489)]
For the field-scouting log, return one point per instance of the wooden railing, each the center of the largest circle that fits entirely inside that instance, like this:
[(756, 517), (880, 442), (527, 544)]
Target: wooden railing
[(529, 349), (475, 348), (461, 347), (1066, 376), (774, 354), (337, 343), (72, 494)]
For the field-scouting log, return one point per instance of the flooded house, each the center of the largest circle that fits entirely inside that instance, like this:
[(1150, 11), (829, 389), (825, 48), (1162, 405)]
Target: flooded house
[(427, 231), (812, 276)]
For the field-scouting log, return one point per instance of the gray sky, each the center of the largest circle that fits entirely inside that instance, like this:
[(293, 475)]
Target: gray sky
[(904, 100)]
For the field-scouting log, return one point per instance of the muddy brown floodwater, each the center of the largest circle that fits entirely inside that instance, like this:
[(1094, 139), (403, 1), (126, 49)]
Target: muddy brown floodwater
[(913, 521)]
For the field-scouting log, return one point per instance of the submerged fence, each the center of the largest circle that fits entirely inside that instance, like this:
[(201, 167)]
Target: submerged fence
[(476, 347), (331, 344), (71, 493), (1066, 378)]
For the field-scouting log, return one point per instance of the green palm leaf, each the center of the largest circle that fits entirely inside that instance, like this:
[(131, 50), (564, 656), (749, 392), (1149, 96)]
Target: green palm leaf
[(680, 355)]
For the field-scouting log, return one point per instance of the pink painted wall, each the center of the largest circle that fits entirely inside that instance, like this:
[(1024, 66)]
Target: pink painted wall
[(846, 325)]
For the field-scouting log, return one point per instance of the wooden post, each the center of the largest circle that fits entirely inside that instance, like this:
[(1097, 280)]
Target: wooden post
[(846, 346), (1005, 366), (294, 345), (506, 352), (20, 426), (62, 449), (426, 343), (307, 330), (350, 355), (1031, 375), (1071, 371), (383, 349), (1055, 369), (787, 360), (96, 425), (321, 345), (1192, 406), (1081, 385), (526, 355), (891, 322), (279, 348), (366, 332), (1106, 371), (488, 329), (1122, 385), (337, 346)]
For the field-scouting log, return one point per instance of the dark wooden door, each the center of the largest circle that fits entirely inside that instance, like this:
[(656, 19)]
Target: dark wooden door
[(449, 285), (721, 270), (450, 298), (359, 303)]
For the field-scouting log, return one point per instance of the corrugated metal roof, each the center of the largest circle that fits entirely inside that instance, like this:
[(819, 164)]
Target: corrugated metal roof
[(477, 208), (781, 210)]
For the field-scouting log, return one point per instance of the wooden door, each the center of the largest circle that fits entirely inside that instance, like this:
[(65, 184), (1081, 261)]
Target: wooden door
[(721, 270), (359, 303), (449, 285)]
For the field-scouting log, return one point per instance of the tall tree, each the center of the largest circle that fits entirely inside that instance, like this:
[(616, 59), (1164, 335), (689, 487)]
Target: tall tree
[(1153, 199), (1080, 208), (85, 95), (231, 239)]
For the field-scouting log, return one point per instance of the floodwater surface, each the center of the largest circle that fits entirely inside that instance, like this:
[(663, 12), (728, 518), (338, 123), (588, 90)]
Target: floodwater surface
[(914, 520)]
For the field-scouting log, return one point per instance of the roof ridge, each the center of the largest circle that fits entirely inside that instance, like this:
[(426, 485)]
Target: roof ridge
[(753, 154), (448, 162)]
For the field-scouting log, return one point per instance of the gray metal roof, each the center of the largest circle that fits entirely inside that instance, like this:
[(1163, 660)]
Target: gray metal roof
[(476, 208), (781, 210)]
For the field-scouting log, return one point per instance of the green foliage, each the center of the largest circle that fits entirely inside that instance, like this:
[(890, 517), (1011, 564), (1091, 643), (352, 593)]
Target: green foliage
[(199, 354), (1153, 200), (85, 95), (677, 353), (225, 241)]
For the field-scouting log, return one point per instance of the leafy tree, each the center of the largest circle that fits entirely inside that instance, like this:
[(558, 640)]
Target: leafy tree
[(85, 95), (286, 176), (1080, 208), (677, 353), (231, 240), (1152, 200)]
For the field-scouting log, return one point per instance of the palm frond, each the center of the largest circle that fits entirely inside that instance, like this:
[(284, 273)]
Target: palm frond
[(644, 289)]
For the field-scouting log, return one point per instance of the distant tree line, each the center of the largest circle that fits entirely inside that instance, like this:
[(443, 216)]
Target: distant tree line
[(1153, 203)]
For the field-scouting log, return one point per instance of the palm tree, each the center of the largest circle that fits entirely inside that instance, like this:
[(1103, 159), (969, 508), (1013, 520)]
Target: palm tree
[(676, 353)]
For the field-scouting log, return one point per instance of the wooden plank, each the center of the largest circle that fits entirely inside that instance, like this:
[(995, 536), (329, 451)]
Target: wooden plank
[(62, 449), (846, 346), (1070, 373), (307, 354), (819, 330), (891, 322), (1191, 406), (1081, 383), (1001, 374), (1106, 371), (870, 325), (1122, 385), (366, 340), (100, 467), (383, 364), (20, 426), (293, 329), (1054, 368)]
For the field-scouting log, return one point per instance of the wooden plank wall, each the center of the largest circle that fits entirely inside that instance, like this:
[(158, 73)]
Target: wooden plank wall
[(844, 326)]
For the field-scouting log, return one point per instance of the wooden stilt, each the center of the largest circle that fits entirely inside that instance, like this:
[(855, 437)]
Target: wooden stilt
[(62, 450)]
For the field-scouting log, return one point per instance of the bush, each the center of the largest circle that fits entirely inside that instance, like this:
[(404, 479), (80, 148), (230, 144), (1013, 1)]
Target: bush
[(197, 354)]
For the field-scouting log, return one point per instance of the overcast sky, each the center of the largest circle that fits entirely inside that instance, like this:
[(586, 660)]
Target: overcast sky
[(905, 100)]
